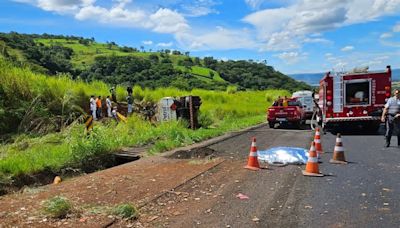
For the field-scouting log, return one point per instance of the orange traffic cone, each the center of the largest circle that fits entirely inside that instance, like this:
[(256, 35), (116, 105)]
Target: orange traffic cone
[(312, 167), (338, 152), (317, 140), (252, 163)]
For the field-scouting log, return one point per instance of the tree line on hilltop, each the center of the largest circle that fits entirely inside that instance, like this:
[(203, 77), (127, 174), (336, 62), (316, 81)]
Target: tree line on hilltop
[(156, 70)]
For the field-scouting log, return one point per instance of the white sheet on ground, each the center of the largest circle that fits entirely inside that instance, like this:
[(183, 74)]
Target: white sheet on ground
[(284, 155)]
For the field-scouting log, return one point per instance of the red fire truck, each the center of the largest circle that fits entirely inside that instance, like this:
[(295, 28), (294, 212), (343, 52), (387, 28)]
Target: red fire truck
[(353, 100)]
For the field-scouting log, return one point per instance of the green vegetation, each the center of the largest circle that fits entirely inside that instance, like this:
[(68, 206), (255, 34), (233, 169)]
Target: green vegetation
[(89, 60), (395, 85), (46, 81), (126, 211), (35, 98), (57, 207)]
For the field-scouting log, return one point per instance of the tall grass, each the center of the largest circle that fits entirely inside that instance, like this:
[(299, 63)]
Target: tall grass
[(72, 147)]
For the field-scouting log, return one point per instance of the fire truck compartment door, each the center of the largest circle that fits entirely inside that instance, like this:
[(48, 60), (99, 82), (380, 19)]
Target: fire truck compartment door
[(337, 93)]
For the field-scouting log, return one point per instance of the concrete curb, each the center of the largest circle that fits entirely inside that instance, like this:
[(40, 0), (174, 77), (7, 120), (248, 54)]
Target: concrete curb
[(213, 141)]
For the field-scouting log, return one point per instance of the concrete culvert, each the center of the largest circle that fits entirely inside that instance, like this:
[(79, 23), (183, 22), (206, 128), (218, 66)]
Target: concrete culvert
[(203, 152)]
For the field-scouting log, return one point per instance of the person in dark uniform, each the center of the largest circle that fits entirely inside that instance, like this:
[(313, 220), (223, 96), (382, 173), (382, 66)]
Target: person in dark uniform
[(129, 90), (390, 116)]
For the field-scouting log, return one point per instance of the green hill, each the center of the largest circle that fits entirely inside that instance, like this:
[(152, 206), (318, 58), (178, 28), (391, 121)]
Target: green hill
[(89, 60)]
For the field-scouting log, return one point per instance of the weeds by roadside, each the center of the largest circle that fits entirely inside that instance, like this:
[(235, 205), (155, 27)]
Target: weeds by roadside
[(126, 211), (29, 154), (57, 207)]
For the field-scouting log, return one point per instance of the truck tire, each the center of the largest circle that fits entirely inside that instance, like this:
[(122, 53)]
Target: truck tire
[(271, 124)]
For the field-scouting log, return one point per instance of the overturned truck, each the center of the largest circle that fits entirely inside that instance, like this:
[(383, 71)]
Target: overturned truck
[(186, 108)]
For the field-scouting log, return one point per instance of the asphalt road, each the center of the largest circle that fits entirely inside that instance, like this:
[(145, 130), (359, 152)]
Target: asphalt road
[(364, 193)]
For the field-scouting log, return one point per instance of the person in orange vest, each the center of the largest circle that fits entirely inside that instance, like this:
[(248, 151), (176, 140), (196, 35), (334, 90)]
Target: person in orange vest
[(98, 107)]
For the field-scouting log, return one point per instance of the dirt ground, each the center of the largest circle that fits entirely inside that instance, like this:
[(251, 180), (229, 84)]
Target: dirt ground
[(188, 188), (138, 183)]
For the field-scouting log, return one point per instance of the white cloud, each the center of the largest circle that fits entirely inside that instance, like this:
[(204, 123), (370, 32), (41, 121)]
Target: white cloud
[(119, 14), (386, 35), (316, 40), (347, 48), (168, 21), (62, 6), (199, 8), (375, 60), (396, 28), (116, 15), (280, 42), (368, 10), (254, 4), (300, 20), (169, 44), (147, 42), (291, 57), (217, 39), (328, 54)]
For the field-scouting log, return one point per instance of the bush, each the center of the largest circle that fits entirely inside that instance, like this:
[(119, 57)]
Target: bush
[(231, 89), (205, 119), (57, 207), (127, 211)]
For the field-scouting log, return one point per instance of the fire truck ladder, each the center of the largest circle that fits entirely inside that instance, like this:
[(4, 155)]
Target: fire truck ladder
[(337, 93)]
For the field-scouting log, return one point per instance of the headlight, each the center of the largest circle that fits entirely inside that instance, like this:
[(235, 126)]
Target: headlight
[(329, 103)]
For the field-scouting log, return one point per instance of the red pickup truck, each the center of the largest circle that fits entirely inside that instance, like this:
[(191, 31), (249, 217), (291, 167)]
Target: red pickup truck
[(292, 113)]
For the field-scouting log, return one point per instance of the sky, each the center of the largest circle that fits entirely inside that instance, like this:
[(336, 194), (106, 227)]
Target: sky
[(293, 36)]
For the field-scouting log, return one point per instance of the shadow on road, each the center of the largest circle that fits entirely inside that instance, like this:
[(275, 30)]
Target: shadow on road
[(292, 127), (351, 131)]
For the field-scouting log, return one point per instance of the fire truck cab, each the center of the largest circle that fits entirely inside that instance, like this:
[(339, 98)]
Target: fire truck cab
[(354, 99)]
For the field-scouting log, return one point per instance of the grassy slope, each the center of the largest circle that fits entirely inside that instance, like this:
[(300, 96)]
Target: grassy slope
[(85, 55), (72, 147)]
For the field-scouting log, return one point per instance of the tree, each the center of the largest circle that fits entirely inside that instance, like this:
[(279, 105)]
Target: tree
[(197, 61), (176, 52)]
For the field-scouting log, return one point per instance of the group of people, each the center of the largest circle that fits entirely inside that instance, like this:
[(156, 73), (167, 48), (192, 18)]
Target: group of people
[(281, 101), (96, 104)]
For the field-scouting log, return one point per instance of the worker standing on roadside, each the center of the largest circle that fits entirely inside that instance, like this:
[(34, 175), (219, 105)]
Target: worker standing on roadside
[(109, 105), (391, 116), (129, 90), (113, 95), (129, 99), (98, 107), (93, 107), (285, 102)]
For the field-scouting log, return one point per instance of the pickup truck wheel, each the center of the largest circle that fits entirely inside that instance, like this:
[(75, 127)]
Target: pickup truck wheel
[(271, 124)]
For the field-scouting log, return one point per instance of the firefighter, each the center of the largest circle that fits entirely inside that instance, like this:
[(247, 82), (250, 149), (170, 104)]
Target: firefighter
[(390, 116)]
